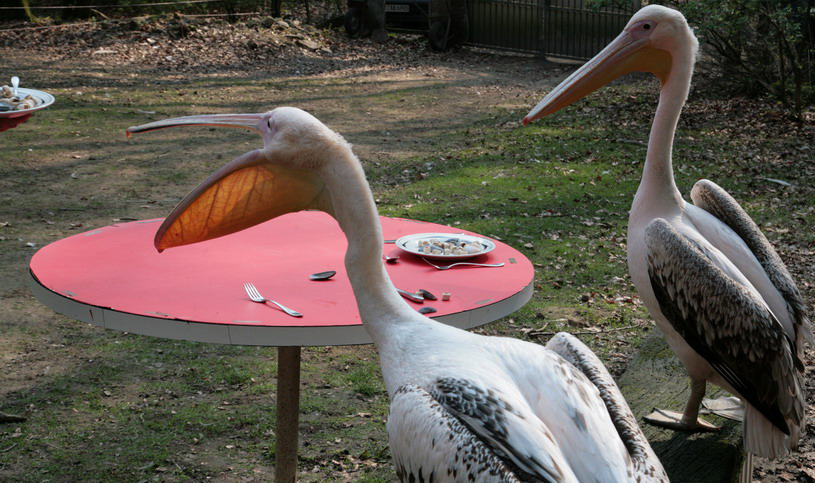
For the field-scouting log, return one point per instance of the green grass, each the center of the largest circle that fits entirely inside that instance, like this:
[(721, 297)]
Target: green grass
[(549, 190)]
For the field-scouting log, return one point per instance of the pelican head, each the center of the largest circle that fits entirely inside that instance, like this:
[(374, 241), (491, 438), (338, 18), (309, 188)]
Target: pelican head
[(656, 39), (282, 177)]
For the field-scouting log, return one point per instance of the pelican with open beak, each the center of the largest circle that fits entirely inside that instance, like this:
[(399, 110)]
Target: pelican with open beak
[(464, 407)]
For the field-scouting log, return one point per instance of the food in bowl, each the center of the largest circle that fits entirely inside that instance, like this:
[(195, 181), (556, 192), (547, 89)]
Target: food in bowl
[(10, 102), (451, 246)]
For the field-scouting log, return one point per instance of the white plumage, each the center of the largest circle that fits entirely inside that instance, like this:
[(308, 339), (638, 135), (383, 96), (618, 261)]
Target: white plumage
[(713, 283), (464, 407)]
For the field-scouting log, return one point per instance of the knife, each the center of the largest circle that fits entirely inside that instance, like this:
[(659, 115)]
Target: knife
[(411, 296)]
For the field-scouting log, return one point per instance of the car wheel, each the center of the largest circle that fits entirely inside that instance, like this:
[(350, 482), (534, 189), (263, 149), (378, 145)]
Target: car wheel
[(438, 36), (353, 22)]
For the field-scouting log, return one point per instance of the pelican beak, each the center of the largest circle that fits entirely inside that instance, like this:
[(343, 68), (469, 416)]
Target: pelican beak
[(245, 121), (623, 55), (254, 187)]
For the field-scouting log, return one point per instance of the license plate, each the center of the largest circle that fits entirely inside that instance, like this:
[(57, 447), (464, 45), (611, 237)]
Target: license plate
[(397, 8)]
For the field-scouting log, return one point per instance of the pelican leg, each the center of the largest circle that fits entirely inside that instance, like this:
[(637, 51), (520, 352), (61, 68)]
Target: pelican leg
[(687, 421)]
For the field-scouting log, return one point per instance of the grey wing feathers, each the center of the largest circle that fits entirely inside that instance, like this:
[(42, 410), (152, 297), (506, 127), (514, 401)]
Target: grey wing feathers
[(712, 198), (646, 464), (429, 444), (726, 324), (486, 414)]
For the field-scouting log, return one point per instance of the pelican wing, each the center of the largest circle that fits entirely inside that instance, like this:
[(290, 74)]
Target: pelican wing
[(712, 198), (570, 406), (511, 431), (428, 443), (726, 323), (646, 464)]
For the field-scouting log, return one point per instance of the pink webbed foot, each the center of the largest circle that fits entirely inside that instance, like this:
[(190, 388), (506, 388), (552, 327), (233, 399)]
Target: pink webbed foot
[(674, 420)]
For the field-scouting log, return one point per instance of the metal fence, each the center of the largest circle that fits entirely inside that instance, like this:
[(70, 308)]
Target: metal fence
[(558, 28), (514, 25)]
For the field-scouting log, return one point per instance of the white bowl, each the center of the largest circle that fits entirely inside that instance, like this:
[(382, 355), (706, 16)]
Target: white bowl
[(410, 244), (45, 99)]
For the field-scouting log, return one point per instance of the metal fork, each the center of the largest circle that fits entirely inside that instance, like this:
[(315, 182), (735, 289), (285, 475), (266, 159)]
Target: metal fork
[(446, 267), (255, 296)]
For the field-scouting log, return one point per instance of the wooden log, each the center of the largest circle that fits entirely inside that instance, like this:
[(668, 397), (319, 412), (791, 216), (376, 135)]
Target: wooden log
[(11, 418), (655, 377)]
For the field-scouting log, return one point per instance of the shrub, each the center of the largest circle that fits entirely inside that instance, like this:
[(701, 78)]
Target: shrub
[(763, 46)]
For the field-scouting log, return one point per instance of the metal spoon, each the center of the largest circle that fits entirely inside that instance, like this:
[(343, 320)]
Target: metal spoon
[(15, 83), (322, 275), (389, 259)]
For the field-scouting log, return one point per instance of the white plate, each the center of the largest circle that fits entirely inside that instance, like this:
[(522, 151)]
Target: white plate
[(410, 244), (45, 99)]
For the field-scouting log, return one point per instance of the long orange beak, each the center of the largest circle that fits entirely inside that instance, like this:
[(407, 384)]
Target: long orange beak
[(623, 55), (245, 121), (252, 188)]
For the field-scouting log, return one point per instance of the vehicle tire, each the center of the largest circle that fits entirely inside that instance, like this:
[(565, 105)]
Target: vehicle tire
[(353, 22), (437, 36)]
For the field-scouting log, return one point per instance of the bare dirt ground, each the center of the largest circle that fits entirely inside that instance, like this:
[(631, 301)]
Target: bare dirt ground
[(90, 60)]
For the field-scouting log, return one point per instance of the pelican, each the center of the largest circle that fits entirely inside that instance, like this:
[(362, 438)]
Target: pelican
[(464, 407), (715, 286)]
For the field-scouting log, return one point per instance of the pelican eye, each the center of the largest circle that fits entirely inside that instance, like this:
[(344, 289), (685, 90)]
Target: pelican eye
[(642, 29)]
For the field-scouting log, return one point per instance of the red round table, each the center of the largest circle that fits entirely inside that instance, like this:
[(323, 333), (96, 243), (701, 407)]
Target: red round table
[(113, 277)]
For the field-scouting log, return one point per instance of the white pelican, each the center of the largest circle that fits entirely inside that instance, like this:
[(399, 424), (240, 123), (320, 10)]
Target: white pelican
[(464, 407), (715, 286)]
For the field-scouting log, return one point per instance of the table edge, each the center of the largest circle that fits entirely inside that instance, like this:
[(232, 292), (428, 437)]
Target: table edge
[(178, 329)]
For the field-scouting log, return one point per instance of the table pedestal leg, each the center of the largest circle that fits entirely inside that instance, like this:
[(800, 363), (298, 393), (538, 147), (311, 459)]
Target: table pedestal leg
[(288, 412)]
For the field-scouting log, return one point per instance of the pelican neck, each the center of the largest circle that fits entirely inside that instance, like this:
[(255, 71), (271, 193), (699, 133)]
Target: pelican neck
[(657, 178), (355, 210)]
